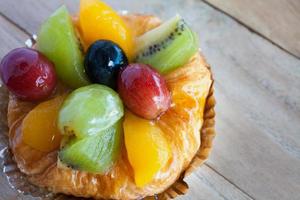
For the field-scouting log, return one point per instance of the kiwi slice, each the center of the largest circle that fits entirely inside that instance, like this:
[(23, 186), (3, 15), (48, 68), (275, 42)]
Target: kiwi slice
[(57, 40), (168, 46), (95, 154)]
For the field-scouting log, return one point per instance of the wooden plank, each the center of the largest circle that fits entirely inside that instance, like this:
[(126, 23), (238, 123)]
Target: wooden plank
[(275, 19), (10, 37), (32, 13), (205, 177), (258, 91), (257, 87)]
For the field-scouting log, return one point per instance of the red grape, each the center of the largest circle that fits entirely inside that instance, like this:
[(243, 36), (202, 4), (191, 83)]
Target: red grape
[(28, 74), (144, 91)]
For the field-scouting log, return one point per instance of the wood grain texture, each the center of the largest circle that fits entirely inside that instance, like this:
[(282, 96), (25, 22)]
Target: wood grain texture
[(10, 37), (257, 150), (213, 182), (275, 19)]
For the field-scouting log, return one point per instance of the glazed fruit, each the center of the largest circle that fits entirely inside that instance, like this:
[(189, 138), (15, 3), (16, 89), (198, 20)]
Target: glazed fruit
[(143, 91), (147, 148), (89, 110), (99, 21), (103, 61), (28, 74), (89, 119), (39, 128), (94, 154), (168, 46), (57, 40)]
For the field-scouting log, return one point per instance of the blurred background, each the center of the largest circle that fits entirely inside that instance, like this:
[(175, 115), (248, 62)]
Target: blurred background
[(253, 47)]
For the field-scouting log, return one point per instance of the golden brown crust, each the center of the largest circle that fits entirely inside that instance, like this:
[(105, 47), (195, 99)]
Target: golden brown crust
[(189, 85), (207, 135)]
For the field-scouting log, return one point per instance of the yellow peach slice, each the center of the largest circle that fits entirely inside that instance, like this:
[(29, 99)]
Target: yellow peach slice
[(147, 149), (39, 127), (99, 21)]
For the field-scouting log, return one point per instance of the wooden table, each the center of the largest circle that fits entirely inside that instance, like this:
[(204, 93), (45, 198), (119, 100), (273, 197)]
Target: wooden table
[(254, 49)]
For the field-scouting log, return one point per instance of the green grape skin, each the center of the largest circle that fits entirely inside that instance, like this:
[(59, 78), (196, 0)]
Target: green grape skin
[(89, 110)]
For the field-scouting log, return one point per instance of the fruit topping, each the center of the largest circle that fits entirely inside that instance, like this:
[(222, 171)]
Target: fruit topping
[(168, 46), (95, 153), (28, 74), (89, 110), (39, 127), (147, 148), (57, 40), (99, 21), (90, 121), (144, 91), (103, 61)]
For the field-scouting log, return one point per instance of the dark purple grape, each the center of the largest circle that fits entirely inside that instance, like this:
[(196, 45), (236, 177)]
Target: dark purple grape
[(103, 61)]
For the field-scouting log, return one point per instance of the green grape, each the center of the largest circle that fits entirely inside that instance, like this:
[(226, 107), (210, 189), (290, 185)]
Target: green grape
[(89, 110)]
